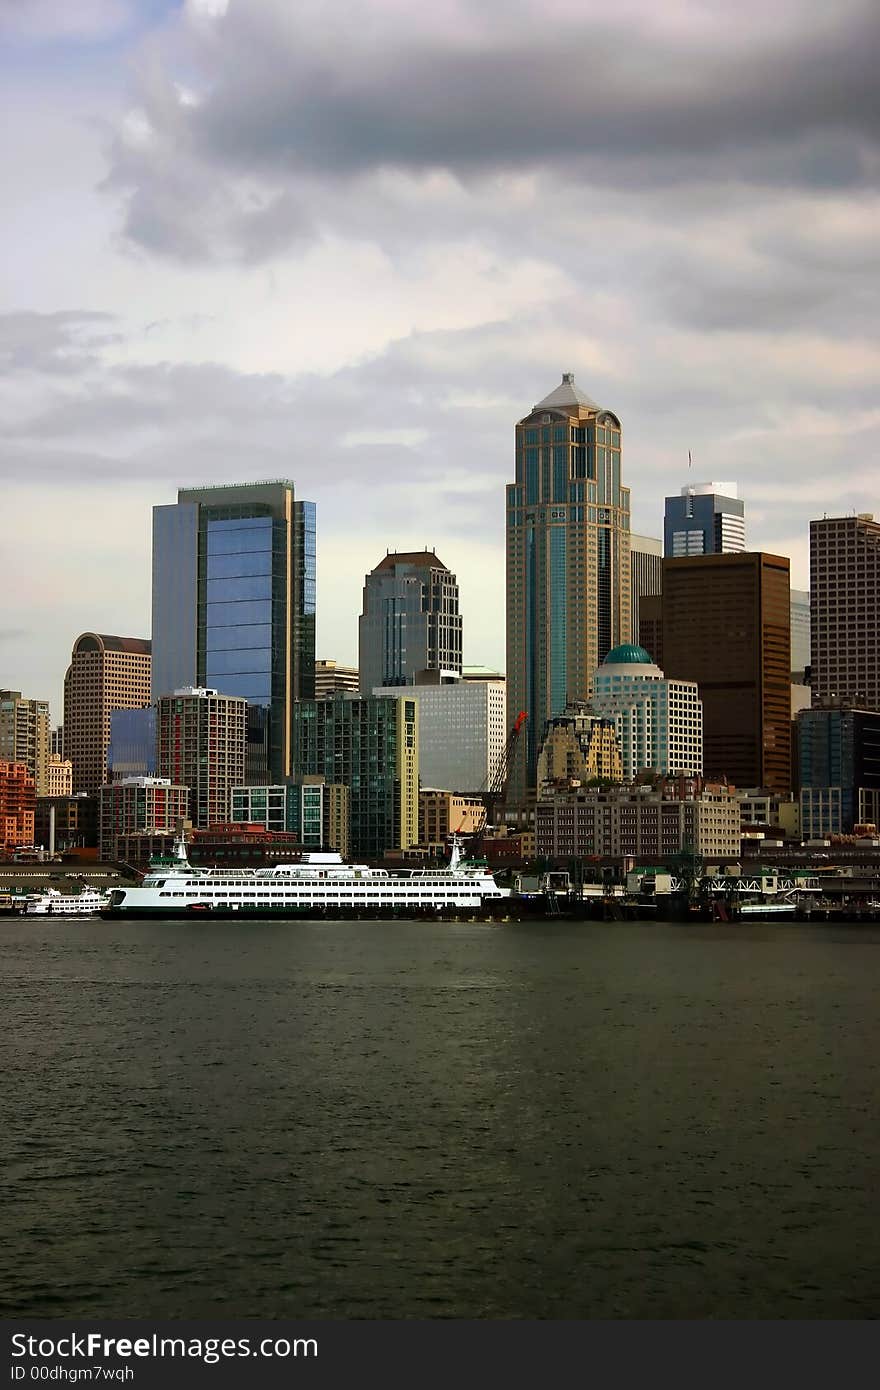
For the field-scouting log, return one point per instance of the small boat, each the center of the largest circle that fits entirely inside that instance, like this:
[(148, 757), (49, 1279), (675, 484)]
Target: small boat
[(54, 903)]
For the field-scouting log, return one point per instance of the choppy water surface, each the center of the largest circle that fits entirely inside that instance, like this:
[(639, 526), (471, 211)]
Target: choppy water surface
[(410, 1120)]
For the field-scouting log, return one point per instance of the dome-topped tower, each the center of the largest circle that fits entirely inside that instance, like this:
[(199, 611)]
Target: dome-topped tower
[(628, 655)]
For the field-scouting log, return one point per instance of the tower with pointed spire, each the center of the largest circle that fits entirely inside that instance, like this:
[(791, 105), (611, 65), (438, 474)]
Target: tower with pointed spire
[(568, 559)]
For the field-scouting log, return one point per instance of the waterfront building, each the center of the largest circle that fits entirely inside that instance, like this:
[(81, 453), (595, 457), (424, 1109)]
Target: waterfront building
[(462, 731), (706, 519), (234, 606), (66, 823), (201, 744), (138, 806), (579, 747), (800, 636), (410, 621), (443, 813), (370, 745), (17, 802), (845, 610), (132, 751), (760, 806), (726, 625), (646, 574), (651, 820), (316, 811), (105, 674), (24, 735), (59, 776), (838, 769), (568, 560), (330, 677), (659, 720)]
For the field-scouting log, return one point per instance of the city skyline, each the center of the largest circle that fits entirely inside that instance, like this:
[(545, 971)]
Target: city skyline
[(367, 316)]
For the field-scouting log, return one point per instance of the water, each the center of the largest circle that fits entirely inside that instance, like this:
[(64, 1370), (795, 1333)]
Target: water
[(429, 1120)]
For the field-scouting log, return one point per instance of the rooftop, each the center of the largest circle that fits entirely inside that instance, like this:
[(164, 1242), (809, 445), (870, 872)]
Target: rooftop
[(566, 394)]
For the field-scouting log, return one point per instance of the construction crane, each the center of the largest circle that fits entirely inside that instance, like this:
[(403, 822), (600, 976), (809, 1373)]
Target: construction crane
[(494, 789)]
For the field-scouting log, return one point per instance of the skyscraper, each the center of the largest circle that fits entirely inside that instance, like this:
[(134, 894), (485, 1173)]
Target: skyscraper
[(105, 674), (646, 574), (410, 621), (845, 610), (234, 605), (659, 721), (568, 559), (727, 626), (707, 519), (800, 632)]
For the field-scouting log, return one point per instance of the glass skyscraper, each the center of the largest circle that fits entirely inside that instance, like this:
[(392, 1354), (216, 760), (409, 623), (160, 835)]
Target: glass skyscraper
[(234, 605), (568, 559), (707, 519)]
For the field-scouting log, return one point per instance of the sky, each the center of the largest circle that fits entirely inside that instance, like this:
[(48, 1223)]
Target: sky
[(353, 244)]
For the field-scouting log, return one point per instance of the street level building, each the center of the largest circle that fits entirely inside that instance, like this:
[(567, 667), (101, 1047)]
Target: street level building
[(706, 519), (845, 610), (650, 820), (568, 560), (105, 674), (138, 806), (727, 626), (201, 744), (370, 745), (24, 735), (410, 621), (234, 606)]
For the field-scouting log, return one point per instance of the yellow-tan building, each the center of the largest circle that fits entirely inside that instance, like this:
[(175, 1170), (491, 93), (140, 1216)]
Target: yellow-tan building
[(59, 776), (442, 814), (579, 747), (105, 674), (24, 735)]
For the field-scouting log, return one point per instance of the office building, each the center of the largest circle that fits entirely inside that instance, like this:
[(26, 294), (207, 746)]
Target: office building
[(234, 606), (59, 776), (24, 735), (845, 610), (132, 751), (105, 674), (17, 803), (138, 806), (316, 811), (838, 769), (726, 625), (800, 635), (331, 677), (707, 519), (650, 630), (646, 575), (462, 731), (651, 821), (568, 559), (370, 745), (410, 621), (201, 744), (659, 721), (578, 747)]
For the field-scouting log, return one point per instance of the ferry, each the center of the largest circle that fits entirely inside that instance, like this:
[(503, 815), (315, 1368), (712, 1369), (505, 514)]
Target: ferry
[(320, 885), (54, 903)]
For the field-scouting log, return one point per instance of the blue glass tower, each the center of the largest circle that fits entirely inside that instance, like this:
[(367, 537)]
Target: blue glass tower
[(234, 605)]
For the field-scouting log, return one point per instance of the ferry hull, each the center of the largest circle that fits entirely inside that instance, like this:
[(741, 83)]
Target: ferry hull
[(491, 910)]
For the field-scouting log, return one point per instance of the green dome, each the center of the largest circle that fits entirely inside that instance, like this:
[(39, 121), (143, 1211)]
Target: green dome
[(628, 655)]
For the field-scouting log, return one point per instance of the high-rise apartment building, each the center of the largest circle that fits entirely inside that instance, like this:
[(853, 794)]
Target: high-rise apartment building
[(646, 574), (330, 677), (24, 735), (138, 806), (727, 626), (201, 742), (369, 744), (410, 621), (316, 811), (659, 720), (17, 802), (105, 674), (845, 610), (234, 606), (462, 731), (568, 559), (707, 519)]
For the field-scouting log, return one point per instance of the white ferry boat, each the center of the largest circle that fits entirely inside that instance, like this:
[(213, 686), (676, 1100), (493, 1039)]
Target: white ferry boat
[(54, 903), (320, 885)]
